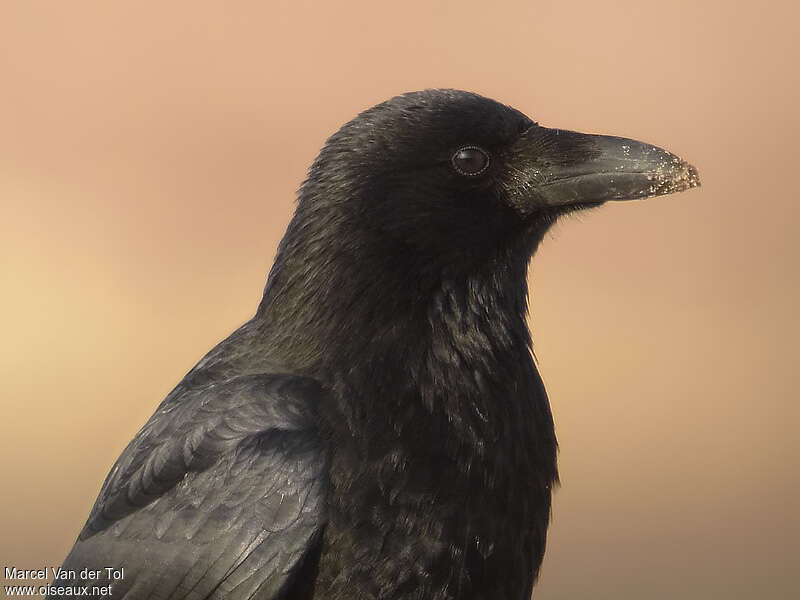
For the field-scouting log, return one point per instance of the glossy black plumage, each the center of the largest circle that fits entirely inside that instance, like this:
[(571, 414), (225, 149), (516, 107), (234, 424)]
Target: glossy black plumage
[(378, 429), (216, 496)]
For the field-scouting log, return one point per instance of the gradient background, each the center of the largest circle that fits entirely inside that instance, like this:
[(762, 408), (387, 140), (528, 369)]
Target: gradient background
[(149, 156)]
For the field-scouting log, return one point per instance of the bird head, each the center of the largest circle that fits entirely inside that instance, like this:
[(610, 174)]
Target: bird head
[(439, 189), (447, 175)]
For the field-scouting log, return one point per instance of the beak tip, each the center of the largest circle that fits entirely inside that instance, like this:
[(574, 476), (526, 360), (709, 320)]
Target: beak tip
[(688, 178), (678, 176), (693, 176)]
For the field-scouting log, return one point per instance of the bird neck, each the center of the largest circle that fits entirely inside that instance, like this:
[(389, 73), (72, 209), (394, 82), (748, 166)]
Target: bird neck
[(440, 339), (329, 299)]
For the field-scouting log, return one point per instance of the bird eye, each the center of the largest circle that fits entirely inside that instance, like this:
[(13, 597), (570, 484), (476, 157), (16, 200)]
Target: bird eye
[(470, 161)]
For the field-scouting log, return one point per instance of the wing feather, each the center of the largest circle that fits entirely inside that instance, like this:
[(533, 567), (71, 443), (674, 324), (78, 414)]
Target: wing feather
[(220, 495)]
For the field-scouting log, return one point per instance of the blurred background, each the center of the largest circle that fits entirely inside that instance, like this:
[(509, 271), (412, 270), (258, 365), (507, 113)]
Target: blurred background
[(149, 158)]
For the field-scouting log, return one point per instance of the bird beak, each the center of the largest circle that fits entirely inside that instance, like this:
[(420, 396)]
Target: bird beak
[(574, 168)]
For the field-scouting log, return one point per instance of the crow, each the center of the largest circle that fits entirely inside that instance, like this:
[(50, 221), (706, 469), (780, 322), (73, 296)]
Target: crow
[(379, 428)]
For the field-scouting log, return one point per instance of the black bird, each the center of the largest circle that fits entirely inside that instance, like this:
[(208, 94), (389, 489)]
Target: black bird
[(378, 429)]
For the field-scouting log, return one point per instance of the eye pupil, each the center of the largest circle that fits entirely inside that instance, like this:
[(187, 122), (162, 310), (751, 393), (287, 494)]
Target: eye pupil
[(470, 161)]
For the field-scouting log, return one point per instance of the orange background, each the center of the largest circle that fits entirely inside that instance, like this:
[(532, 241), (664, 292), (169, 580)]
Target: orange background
[(149, 156)]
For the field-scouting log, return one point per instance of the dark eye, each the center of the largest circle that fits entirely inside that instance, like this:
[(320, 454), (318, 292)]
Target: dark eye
[(470, 161)]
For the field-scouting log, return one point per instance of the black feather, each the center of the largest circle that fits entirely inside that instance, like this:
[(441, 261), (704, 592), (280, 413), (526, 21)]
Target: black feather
[(378, 429)]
